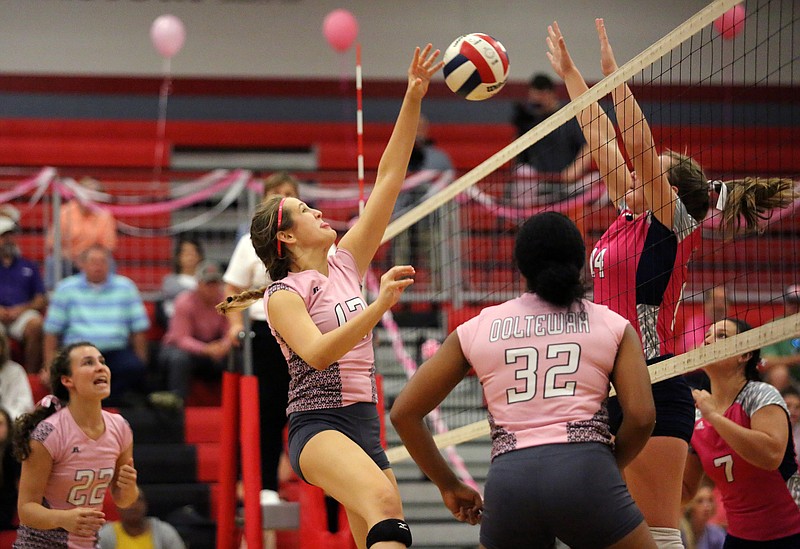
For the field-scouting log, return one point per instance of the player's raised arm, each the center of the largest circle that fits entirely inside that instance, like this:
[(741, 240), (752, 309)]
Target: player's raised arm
[(363, 239)]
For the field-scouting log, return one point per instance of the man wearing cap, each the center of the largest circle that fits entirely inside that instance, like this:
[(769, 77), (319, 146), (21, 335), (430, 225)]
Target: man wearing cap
[(781, 360), (197, 338), (22, 294)]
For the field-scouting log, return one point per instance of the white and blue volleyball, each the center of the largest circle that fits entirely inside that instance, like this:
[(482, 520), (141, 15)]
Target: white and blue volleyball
[(475, 66)]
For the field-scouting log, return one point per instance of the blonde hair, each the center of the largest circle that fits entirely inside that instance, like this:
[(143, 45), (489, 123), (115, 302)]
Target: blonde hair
[(240, 301), (750, 200)]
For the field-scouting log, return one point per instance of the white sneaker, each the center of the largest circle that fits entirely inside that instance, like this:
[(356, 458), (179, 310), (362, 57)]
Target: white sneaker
[(269, 497)]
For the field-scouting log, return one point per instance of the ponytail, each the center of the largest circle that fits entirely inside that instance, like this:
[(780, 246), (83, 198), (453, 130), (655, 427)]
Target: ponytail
[(746, 202), (240, 301), (550, 253), (25, 425), (558, 283)]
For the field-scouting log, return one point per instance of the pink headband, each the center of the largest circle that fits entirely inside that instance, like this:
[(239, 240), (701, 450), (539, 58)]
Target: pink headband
[(278, 228)]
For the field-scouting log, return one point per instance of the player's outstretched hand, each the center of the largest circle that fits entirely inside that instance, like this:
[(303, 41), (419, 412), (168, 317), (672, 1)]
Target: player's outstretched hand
[(558, 55), (423, 67), (608, 63)]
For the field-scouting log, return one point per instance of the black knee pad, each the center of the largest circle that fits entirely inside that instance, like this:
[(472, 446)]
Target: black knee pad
[(390, 530)]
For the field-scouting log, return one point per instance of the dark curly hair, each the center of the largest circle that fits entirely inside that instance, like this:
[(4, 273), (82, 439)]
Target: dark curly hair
[(26, 423), (550, 254)]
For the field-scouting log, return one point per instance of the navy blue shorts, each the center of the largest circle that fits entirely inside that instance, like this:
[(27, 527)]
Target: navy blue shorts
[(572, 491), (359, 422), (675, 410)]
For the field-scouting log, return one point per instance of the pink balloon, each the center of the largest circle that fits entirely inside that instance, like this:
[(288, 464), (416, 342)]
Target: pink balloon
[(731, 22), (340, 29), (168, 35)]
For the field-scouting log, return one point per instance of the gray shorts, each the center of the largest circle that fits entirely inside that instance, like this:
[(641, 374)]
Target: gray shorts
[(359, 422), (573, 492)]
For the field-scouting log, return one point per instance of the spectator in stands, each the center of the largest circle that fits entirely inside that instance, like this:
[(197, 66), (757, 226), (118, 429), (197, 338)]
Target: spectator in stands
[(697, 531), (197, 339), (106, 309), (792, 397), (281, 184), (135, 530), (9, 473), (245, 272), (559, 158), (781, 360), (82, 226), (22, 296), (16, 396), (426, 155), (188, 255)]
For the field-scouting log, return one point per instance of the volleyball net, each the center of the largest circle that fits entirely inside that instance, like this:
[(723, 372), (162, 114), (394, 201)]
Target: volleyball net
[(715, 89)]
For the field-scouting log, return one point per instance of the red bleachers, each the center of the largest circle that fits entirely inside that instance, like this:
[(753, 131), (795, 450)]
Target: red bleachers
[(137, 248), (37, 388), (131, 143), (238, 134), (202, 424), (129, 248), (84, 152), (765, 251)]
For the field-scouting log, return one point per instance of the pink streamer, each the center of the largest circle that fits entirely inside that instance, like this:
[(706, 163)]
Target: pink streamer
[(44, 177), (410, 367), (520, 214), (169, 205)]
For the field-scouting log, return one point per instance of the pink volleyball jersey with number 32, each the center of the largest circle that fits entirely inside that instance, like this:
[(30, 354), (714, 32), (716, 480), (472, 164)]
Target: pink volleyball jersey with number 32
[(82, 472), (544, 370)]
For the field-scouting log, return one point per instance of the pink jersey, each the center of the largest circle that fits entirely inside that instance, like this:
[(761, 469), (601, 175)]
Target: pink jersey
[(331, 301), (639, 268), (82, 470), (760, 505), (544, 370)]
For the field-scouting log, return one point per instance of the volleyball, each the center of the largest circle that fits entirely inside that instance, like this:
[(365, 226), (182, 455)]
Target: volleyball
[(475, 66)]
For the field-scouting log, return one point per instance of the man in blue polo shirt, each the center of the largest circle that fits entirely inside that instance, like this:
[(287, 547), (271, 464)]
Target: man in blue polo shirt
[(107, 310), (22, 296)]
